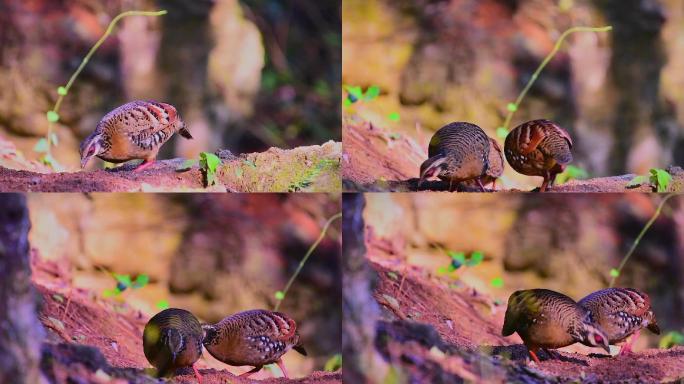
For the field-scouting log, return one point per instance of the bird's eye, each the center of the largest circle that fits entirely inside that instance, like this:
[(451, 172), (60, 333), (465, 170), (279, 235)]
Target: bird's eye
[(598, 339)]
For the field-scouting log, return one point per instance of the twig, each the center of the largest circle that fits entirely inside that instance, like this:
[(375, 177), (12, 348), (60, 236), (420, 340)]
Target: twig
[(306, 257), (638, 239)]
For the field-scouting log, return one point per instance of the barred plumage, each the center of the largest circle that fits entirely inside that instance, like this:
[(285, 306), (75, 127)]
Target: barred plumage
[(539, 148), (621, 312), (547, 319), (257, 337), (457, 152), (172, 339), (135, 130)]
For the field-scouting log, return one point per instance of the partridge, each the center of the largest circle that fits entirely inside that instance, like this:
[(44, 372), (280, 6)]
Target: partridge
[(135, 130), (457, 152), (172, 339), (621, 313), (496, 166), (547, 319), (539, 148), (256, 338)]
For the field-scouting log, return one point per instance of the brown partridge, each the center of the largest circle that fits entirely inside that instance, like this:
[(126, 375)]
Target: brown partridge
[(621, 313), (457, 152), (496, 166), (135, 130), (539, 148), (547, 319), (172, 339), (257, 338)]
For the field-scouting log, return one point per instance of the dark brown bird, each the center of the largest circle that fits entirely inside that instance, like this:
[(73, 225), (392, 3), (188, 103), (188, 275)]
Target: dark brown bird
[(621, 313), (172, 339), (257, 338), (135, 130), (495, 169), (539, 148), (457, 152), (547, 319)]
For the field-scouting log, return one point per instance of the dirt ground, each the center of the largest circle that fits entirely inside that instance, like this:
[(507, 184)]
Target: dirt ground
[(441, 330), (310, 169), (375, 160), (96, 340)]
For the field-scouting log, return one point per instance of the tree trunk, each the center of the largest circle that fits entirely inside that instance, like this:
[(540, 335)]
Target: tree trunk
[(20, 331)]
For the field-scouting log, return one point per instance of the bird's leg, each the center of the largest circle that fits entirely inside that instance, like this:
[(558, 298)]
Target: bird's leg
[(145, 164), (494, 185), (545, 183), (197, 374), (250, 373), (479, 183), (282, 367), (627, 347), (534, 356)]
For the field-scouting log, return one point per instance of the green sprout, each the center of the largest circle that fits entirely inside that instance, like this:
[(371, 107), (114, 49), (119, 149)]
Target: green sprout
[(571, 172), (459, 259), (356, 93), (615, 273), (208, 163), (394, 116), (52, 115), (124, 282), (334, 363), (280, 295), (502, 131), (497, 282), (671, 339), (659, 179)]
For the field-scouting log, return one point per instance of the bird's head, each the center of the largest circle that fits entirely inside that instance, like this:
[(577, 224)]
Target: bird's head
[(90, 147), (432, 167), (209, 335), (592, 335)]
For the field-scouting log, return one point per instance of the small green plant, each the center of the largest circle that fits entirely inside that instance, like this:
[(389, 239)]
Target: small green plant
[(334, 363), (658, 179), (616, 272), (459, 259), (355, 93), (671, 339), (208, 163), (502, 131), (281, 294), (124, 282), (44, 145), (571, 173), (311, 174)]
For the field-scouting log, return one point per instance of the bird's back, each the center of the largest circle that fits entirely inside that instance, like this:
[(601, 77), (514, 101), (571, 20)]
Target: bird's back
[(156, 346), (466, 147)]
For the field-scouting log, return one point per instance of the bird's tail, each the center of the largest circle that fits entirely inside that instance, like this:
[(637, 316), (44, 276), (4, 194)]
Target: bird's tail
[(184, 132)]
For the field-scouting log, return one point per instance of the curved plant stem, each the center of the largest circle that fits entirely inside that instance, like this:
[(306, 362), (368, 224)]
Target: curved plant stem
[(63, 91), (514, 107), (638, 239), (305, 258)]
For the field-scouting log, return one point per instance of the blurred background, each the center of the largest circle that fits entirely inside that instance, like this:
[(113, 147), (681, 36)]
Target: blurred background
[(490, 246), (211, 255), (244, 75), (619, 94)]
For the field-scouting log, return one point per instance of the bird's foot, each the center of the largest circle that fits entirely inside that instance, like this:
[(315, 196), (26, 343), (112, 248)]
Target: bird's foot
[(144, 165), (250, 373), (282, 367), (197, 374)]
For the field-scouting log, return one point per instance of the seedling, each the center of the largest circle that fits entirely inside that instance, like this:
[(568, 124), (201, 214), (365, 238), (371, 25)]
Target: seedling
[(334, 363), (208, 163), (459, 259), (571, 173), (658, 179), (671, 339), (356, 93), (124, 282)]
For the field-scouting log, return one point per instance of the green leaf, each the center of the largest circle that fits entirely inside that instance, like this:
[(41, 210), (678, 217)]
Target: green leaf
[(52, 116), (671, 339), (392, 275), (58, 297), (141, 281), (48, 160), (61, 91), (162, 304), (497, 282), (208, 163), (614, 272), (280, 295), (355, 91), (41, 146), (661, 179), (187, 164), (334, 363), (501, 132), (372, 92), (512, 107), (346, 102), (111, 292), (443, 270), (475, 259), (123, 279), (394, 116), (250, 163), (637, 181), (458, 256)]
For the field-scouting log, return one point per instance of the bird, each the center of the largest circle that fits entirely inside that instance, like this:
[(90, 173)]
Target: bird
[(457, 152), (135, 130), (172, 339), (255, 338), (539, 148), (621, 313), (496, 166), (547, 319)]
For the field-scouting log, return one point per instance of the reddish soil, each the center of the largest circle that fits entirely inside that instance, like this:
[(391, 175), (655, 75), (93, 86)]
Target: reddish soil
[(439, 330), (376, 161), (91, 339)]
